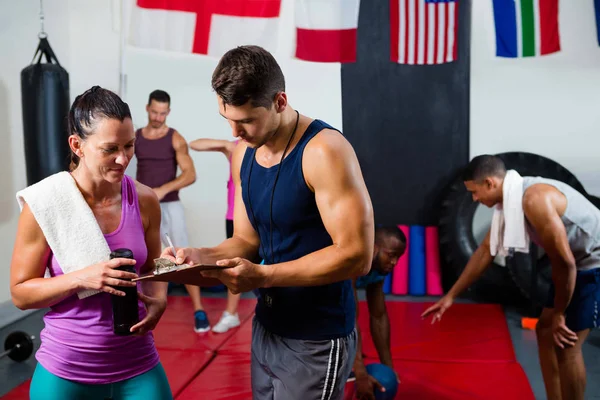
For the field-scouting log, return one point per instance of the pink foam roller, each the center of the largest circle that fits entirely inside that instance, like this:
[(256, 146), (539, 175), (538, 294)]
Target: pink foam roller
[(400, 274), (432, 262)]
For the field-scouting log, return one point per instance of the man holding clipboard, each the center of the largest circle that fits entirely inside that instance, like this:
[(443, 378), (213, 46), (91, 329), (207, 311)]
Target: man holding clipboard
[(302, 206)]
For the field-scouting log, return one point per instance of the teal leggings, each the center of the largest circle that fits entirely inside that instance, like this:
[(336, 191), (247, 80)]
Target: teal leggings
[(152, 385)]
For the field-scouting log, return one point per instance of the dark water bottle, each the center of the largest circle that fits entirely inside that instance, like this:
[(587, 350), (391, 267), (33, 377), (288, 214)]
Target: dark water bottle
[(125, 308)]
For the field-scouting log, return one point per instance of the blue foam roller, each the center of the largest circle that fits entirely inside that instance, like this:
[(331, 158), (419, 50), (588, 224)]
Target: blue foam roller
[(387, 284), (416, 264)]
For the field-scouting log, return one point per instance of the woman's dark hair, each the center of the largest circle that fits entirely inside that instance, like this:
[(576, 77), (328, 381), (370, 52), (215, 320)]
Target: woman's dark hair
[(89, 107), (248, 73)]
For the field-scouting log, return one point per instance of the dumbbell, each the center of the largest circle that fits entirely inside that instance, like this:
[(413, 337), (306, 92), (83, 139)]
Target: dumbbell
[(18, 346)]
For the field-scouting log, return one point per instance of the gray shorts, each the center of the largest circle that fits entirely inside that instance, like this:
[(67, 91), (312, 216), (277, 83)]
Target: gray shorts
[(291, 369)]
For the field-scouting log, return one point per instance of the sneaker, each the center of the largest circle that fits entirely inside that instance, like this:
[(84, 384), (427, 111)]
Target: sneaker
[(201, 321), (226, 322)]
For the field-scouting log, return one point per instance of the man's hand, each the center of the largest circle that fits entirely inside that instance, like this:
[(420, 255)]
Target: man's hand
[(155, 308), (185, 255), (366, 386), (160, 193), (438, 308), (563, 336), (242, 277)]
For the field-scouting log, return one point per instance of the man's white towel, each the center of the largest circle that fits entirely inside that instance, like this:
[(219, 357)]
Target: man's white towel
[(67, 222), (508, 229)]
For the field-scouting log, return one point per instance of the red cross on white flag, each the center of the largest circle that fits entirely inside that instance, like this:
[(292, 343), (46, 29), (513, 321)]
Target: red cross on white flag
[(325, 29)]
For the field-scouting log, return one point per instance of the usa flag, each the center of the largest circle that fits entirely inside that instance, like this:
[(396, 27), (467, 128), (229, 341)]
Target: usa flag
[(423, 31)]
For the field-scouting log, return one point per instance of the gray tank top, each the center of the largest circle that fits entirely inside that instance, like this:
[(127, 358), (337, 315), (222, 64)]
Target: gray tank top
[(582, 223)]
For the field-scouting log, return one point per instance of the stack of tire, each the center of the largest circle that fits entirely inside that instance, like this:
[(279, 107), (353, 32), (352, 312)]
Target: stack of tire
[(513, 284)]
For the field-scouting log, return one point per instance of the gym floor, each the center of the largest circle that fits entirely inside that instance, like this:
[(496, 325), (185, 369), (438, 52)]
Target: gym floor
[(13, 374)]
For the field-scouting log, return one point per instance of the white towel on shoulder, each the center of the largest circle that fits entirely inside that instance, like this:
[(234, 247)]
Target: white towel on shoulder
[(508, 229), (68, 223)]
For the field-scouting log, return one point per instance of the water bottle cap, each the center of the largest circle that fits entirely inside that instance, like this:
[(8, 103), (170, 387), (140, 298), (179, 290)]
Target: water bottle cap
[(121, 253)]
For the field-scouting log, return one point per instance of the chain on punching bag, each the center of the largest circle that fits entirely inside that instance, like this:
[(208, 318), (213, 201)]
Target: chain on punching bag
[(45, 102)]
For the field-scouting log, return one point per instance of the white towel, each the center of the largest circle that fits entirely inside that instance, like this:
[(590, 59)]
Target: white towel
[(68, 223), (508, 229)]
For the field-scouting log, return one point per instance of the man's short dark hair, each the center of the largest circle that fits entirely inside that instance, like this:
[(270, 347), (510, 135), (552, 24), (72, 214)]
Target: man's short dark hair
[(160, 96), (248, 73), (482, 167), (383, 231)]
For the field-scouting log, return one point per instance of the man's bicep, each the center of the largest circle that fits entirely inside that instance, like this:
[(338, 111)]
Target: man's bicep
[(182, 154), (340, 192)]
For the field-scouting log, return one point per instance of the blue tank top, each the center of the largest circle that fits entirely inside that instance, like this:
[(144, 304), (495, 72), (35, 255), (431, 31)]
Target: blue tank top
[(372, 277), (308, 313)]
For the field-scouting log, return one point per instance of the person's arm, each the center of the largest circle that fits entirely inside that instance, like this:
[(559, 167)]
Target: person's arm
[(360, 370), (379, 322), (30, 290), (185, 163), (332, 171), (478, 263), (366, 385), (151, 214), (540, 205), (224, 146)]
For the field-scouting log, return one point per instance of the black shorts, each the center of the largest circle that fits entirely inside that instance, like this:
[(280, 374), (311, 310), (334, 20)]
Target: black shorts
[(582, 312)]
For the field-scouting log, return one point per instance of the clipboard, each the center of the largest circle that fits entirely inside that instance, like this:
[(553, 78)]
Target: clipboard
[(185, 275)]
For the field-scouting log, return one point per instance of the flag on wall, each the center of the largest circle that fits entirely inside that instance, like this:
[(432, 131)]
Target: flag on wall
[(423, 31), (326, 30), (526, 28), (209, 27)]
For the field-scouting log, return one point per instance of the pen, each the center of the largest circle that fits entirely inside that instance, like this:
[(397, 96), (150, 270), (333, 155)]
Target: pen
[(171, 244)]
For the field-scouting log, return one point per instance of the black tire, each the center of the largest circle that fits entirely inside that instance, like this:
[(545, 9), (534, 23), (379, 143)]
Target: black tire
[(457, 242), (521, 269)]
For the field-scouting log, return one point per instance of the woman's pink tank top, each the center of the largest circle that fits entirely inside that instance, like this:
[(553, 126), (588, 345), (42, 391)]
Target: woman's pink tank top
[(78, 342)]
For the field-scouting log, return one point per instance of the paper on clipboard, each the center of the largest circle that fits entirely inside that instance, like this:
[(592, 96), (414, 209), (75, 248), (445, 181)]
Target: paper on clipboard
[(185, 274)]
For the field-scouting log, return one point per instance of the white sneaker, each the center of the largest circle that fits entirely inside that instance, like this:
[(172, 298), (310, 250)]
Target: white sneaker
[(226, 322)]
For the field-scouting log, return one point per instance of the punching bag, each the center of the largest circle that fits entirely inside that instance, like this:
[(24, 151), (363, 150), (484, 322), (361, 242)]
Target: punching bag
[(45, 102)]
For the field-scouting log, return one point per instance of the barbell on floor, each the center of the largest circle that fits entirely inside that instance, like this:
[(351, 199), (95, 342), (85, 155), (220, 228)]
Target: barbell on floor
[(18, 346)]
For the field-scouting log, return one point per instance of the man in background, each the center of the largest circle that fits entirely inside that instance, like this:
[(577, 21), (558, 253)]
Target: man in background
[(390, 245), (160, 151), (566, 225)]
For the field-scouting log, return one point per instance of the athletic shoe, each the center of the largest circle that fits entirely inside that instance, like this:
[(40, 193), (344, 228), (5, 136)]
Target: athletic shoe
[(226, 322), (201, 322)]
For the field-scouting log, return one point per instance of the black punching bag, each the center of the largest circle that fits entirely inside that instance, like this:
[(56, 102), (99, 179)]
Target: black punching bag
[(45, 100)]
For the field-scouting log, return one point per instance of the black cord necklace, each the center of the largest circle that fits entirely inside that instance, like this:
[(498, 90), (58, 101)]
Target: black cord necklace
[(272, 191)]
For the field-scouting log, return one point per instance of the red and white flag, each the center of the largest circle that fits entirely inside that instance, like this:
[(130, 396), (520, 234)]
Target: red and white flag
[(326, 30), (210, 27), (423, 31)]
